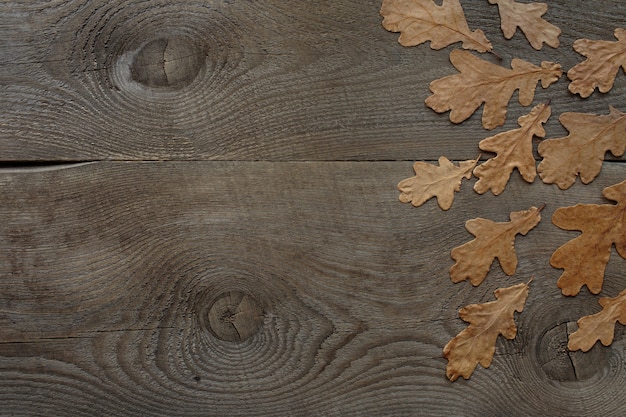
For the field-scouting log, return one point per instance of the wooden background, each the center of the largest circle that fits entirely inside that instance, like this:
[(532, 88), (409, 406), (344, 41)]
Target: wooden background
[(199, 216)]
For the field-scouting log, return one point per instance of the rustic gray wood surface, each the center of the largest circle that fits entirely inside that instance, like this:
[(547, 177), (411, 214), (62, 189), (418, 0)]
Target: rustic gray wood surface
[(112, 270), (252, 80), (199, 216)]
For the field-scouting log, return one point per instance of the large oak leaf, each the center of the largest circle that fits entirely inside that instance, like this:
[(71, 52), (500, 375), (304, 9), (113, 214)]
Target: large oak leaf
[(481, 82), (435, 181), (599, 326), (584, 258), (476, 344), (601, 66), (419, 21), (514, 149), (527, 16), (582, 151), (493, 240)]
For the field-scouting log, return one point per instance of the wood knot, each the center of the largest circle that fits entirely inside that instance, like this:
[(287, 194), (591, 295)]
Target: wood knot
[(560, 364), (235, 316), (168, 62)]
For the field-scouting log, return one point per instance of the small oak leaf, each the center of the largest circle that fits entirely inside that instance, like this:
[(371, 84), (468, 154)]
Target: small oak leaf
[(527, 16), (582, 151), (476, 344), (419, 21), (514, 149), (599, 326), (493, 240), (601, 66), (584, 258), (481, 82), (432, 181)]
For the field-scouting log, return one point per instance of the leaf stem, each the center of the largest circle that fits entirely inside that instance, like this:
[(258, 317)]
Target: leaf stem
[(491, 51)]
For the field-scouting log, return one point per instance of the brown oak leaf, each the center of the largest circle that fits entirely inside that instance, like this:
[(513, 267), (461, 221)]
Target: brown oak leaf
[(599, 326), (527, 16), (514, 149), (419, 21), (493, 240), (476, 344), (601, 66), (481, 82), (582, 151), (584, 258), (432, 181)]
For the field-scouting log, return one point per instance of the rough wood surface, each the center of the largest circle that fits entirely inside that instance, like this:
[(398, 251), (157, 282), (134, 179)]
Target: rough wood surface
[(283, 289), (266, 267), (252, 80)]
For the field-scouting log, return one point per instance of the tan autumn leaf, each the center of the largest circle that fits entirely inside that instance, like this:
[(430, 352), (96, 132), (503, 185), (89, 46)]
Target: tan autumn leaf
[(584, 258), (514, 149), (527, 17), (481, 82), (476, 344), (604, 59), (582, 151), (599, 326), (435, 181), (493, 240), (419, 21)]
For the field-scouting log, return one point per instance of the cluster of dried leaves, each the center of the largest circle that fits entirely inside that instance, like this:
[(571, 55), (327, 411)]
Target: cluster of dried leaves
[(581, 153)]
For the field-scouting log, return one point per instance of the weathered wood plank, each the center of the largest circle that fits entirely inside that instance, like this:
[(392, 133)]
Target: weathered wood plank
[(262, 80), (120, 281)]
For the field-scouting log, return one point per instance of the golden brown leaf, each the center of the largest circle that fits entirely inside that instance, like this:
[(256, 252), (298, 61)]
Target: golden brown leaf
[(481, 82), (582, 151), (527, 16), (432, 181), (476, 344), (601, 66), (419, 21), (493, 240), (585, 257), (514, 149), (599, 326)]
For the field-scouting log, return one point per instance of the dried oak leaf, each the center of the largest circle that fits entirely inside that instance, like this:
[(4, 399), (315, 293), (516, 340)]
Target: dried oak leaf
[(476, 344), (599, 326), (432, 181), (481, 82), (493, 240), (419, 21), (514, 149), (584, 258), (601, 66), (527, 16), (582, 151)]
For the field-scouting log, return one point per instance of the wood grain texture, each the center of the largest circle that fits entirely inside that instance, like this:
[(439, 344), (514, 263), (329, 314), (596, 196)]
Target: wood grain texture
[(263, 80), (120, 281), (267, 268)]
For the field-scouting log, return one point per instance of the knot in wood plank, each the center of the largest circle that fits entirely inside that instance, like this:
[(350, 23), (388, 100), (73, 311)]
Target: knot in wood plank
[(235, 316), (168, 62), (559, 364)]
